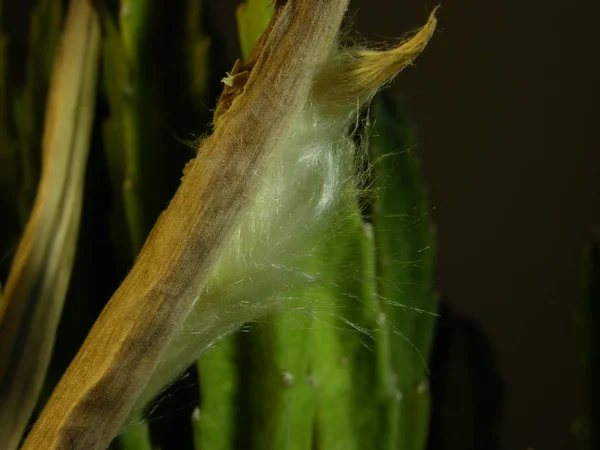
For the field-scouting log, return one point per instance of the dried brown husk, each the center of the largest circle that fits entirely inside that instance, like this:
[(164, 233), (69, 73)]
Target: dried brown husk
[(40, 272)]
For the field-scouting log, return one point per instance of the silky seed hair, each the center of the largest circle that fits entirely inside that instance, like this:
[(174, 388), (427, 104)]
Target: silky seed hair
[(301, 201)]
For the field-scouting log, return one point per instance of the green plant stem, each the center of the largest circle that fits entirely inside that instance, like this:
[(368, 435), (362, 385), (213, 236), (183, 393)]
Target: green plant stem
[(279, 393), (114, 81), (214, 423), (405, 250), (346, 353), (135, 20), (136, 437)]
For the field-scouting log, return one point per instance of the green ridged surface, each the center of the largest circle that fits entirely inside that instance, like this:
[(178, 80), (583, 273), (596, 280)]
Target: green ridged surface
[(279, 391), (349, 343), (215, 421), (371, 354), (114, 79), (134, 110), (147, 82), (405, 249), (359, 360)]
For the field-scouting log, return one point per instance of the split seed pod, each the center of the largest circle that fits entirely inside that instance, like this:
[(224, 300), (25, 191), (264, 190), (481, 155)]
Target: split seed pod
[(264, 186)]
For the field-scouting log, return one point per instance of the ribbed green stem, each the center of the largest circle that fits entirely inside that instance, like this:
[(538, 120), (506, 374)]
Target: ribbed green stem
[(215, 421), (135, 22), (146, 81), (114, 83), (279, 392), (405, 257), (349, 344)]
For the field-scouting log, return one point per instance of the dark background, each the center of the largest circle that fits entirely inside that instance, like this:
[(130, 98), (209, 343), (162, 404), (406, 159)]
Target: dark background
[(504, 101)]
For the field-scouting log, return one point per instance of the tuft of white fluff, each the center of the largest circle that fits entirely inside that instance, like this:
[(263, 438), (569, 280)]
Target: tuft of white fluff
[(304, 190), (299, 200)]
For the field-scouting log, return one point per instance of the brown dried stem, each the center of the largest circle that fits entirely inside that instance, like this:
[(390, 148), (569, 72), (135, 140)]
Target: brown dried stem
[(118, 357), (40, 273)]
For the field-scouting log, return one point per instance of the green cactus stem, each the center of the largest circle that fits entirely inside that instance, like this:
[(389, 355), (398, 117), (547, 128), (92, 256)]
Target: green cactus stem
[(405, 248)]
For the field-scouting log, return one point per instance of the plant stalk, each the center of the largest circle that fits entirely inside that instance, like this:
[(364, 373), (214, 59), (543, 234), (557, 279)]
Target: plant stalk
[(41, 270)]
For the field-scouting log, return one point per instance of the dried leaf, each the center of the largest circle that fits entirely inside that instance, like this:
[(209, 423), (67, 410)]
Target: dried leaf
[(40, 272)]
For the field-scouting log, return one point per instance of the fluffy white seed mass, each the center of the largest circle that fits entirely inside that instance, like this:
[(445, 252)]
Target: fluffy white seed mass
[(300, 199), (304, 194)]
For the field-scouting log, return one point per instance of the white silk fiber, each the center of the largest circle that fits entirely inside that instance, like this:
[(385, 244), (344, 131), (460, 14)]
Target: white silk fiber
[(299, 199), (303, 193)]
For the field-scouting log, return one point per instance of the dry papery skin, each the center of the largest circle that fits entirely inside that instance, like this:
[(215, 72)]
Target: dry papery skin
[(265, 189)]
